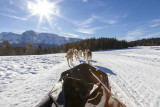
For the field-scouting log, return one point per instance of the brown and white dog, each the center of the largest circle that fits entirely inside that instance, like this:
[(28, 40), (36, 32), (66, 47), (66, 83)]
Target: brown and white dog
[(69, 57), (87, 56), (76, 54), (80, 53)]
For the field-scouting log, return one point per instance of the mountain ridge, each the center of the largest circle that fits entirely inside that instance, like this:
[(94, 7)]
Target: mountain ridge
[(33, 37)]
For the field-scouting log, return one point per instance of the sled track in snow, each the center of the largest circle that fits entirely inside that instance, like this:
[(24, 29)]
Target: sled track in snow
[(143, 61), (141, 101), (130, 92)]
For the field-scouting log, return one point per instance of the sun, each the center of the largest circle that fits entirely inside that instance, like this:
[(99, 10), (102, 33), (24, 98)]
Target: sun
[(43, 8)]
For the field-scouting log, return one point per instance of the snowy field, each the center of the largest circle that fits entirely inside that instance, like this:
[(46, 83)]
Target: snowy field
[(134, 74)]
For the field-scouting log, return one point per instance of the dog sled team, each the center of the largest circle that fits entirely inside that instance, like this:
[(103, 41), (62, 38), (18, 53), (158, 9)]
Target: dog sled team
[(86, 54)]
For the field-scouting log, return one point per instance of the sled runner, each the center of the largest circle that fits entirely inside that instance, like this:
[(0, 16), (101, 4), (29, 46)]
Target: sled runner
[(81, 86)]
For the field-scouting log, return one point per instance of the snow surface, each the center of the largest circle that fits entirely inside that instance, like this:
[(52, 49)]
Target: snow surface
[(134, 75)]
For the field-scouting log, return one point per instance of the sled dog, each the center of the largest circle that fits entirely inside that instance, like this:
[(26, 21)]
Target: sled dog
[(85, 54), (76, 54), (69, 57), (80, 53), (88, 56)]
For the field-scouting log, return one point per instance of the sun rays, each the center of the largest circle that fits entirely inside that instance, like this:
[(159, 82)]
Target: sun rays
[(44, 9)]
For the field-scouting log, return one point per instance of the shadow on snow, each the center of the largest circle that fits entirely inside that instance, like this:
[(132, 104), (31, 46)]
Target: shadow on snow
[(106, 70), (93, 61)]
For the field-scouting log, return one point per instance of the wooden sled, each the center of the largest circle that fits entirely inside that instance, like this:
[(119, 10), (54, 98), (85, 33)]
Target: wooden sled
[(81, 86)]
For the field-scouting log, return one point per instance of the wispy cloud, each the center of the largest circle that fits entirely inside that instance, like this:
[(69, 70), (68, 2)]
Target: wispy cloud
[(86, 26), (84, 23), (155, 23), (111, 18), (129, 38), (110, 21), (87, 23), (73, 35), (125, 15), (21, 4), (88, 30), (11, 2), (9, 10), (156, 34), (15, 17), (156, 20), (105, 20), (146, 29), (84, 0), (134, 34), (44, 28), (59, 28), (141, 33)]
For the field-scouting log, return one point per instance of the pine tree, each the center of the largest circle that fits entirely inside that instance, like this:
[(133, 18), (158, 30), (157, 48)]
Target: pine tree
[(7, 48), (29, 49), (39, 50)]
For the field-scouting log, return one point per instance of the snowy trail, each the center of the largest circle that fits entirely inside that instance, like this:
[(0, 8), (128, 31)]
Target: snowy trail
[(134, 75), (138, 79)]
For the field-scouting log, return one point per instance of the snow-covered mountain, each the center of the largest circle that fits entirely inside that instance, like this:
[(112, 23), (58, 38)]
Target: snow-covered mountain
[(35, 38)]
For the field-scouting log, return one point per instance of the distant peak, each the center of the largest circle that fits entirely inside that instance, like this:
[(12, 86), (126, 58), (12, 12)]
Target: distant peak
[(6, 33), (29, 31)]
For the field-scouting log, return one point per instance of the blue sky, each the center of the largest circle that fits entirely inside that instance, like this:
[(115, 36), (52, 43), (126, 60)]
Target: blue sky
[(121, 19)]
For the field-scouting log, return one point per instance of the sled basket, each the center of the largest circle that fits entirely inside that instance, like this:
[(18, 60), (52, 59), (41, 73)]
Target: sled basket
[(81, 86)]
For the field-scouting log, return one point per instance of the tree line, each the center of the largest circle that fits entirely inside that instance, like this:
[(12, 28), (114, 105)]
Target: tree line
[(145, 42), (6, 49), (94, 44)]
